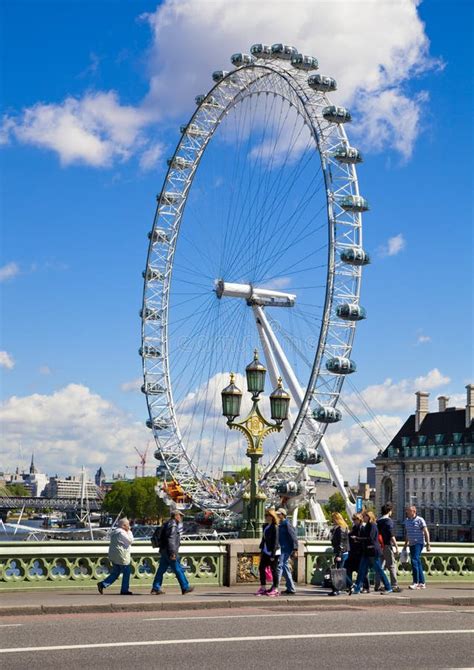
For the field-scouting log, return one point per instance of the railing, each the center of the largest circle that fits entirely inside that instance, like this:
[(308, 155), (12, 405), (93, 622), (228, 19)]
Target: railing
[(445, 561), (59, 564), (64, 564)]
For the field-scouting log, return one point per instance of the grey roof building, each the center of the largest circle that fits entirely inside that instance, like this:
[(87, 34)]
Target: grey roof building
[(429, 463)]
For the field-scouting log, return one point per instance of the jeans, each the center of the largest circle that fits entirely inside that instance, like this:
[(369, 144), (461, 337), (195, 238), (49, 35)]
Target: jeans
[(389, 563), (115, 573), (374, 562), (352, 565), (285, 570), (416, 565), (175, 566)]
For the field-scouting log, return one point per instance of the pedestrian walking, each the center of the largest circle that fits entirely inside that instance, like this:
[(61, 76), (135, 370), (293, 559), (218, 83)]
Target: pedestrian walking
[(416, 534), (289, 549), (371, 553), (170, 540), (390, 551), (269, 554), (121, 539), (352, 563), (340, 545)]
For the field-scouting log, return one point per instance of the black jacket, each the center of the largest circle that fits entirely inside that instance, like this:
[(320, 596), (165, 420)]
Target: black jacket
[(339, 540), (370, 541), (270, 539), (170, 538), (355, 545)]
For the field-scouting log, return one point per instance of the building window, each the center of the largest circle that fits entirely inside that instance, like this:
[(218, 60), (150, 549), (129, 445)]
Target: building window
[(405, 441), (439, 437), (432, 496), (423, 483), (460, 482), (440, 496), (451, 482), (450, 496), (432, 482), (460, 516), (432, 516), (415, 483), (457, 438), (441, 516), (459, 496), (450, 516)]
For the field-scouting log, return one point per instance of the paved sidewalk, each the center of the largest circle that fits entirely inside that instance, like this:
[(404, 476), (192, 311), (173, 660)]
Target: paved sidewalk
[(54, 601)]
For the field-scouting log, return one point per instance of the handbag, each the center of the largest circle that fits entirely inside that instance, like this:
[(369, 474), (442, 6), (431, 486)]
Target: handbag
[(339, 578), (404, 555), (268, 574)]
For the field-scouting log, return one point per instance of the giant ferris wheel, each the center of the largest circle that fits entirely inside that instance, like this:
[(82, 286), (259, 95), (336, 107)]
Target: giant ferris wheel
[(256, 243)]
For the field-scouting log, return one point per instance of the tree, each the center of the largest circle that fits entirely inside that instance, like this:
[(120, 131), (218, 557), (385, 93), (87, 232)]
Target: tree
[(18, 490), (136, 499), (335, 504)]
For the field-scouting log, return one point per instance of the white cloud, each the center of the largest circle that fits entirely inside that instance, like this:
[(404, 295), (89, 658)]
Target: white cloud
[(151, 156), (394, 246), (423, 339), (132, 385), (95, 129), (9, 271), (6, 360), (372, 48), (70, 428)]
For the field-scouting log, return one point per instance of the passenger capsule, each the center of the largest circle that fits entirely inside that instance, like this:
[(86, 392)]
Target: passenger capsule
[(150, 314), (241, 59), (283, 51), (304, 62), (355, 256), (290, 489), (349, 312), (179, 163), (157, 424), (219, 75), (261, 51), (336, 114), (158, 235), (153, 274), (341, 365), (208, 100), (193, 130), (307, 456), (148, 351), (327, 414), (348, 155), (319, 82), (168, 198), (152, 388), (354, 203)]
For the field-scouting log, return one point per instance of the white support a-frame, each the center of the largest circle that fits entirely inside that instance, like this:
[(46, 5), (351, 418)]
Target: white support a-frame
[(276, 356)]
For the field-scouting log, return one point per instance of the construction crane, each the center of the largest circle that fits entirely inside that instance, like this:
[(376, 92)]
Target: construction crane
[(143, 459)]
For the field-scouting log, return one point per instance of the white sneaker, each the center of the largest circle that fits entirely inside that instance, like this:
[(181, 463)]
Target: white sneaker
[(422, 586), (413, 587)]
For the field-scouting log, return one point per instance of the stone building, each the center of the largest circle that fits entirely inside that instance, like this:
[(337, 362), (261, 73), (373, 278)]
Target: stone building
[(429, 463)]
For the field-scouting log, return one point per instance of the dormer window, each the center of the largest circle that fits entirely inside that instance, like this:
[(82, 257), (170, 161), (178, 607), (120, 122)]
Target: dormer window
[(439, 438), (421, 440), (457, 438), (405, 441)]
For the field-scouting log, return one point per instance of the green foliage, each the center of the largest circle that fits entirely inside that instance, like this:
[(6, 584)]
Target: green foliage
[(303, 512), (136, 499), (17, 490), (244, 473), (335, 504)]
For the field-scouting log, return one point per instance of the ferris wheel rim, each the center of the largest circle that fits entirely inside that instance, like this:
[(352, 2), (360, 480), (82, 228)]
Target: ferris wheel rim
[(204, 498)]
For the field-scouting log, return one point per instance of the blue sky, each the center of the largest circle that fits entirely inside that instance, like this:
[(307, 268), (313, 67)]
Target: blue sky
[(75, 212)]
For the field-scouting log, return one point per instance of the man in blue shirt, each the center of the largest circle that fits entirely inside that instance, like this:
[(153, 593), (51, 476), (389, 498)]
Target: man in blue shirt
[(386, 529), (289, 549), (416, 532)]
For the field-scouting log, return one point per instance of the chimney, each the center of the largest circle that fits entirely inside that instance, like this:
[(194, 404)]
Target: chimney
[(442, 402), (422, 408), (469, 405)]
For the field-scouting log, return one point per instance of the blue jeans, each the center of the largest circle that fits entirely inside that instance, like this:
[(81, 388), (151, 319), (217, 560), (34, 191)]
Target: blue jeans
[(115, 574), (285, 570), (175, 566), (416, 564), (374, 562)]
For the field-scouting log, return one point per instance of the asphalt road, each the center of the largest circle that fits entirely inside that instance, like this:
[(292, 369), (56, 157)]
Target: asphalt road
[(365, 638)]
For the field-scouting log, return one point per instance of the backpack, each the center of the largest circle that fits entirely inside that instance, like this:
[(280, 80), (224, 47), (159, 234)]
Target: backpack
[(156, 537)]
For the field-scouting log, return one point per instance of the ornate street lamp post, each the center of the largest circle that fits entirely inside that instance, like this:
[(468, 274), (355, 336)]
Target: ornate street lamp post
[(255, 428)]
